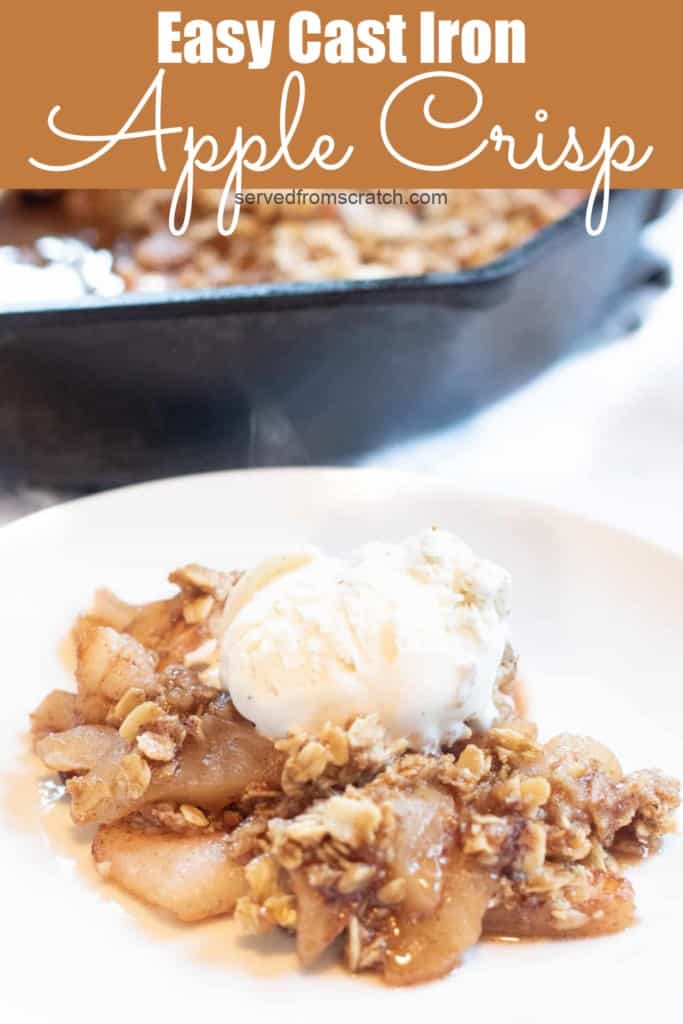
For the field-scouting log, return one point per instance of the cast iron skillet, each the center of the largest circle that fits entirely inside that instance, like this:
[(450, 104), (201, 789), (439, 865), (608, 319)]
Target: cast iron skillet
[(110, 391)]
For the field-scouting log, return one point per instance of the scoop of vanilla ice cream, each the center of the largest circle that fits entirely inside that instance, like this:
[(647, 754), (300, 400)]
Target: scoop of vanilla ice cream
[(412, 632)]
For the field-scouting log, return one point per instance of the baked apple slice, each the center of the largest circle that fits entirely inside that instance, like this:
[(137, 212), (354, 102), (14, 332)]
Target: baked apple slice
[(192, 876), (607, 906), (422, 948)]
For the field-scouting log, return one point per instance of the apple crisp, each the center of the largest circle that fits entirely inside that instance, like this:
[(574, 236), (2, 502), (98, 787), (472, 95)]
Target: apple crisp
[(303, 241), (406, 857)]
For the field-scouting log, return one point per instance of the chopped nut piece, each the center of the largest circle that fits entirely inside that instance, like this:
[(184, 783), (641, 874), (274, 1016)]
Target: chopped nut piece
[(261, 874), (131, 699), (290, 856), (352, 821), (353, 945), (103, 868), (211, 677), (252, 918), (355, 877), (366, 733), (534, 856), (156, 747), (141, 715), (343, 830)]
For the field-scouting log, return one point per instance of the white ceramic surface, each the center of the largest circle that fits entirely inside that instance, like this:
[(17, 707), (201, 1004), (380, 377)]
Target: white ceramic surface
[(598, 621)]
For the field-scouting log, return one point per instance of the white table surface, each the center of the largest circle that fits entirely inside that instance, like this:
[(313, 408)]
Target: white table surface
[(601, 433)]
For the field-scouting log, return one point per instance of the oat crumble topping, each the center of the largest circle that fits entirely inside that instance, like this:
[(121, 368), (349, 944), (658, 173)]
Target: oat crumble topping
[(410, 856), (307, 242)]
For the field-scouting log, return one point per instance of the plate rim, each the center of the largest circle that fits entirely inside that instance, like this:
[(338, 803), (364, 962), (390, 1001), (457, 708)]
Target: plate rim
[(16, 527)]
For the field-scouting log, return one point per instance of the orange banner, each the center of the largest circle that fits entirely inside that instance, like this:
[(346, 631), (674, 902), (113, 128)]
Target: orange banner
[(267, 94)]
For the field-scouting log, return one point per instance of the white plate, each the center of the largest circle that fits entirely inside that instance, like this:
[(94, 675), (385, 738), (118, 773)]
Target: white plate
[(597, 620)]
